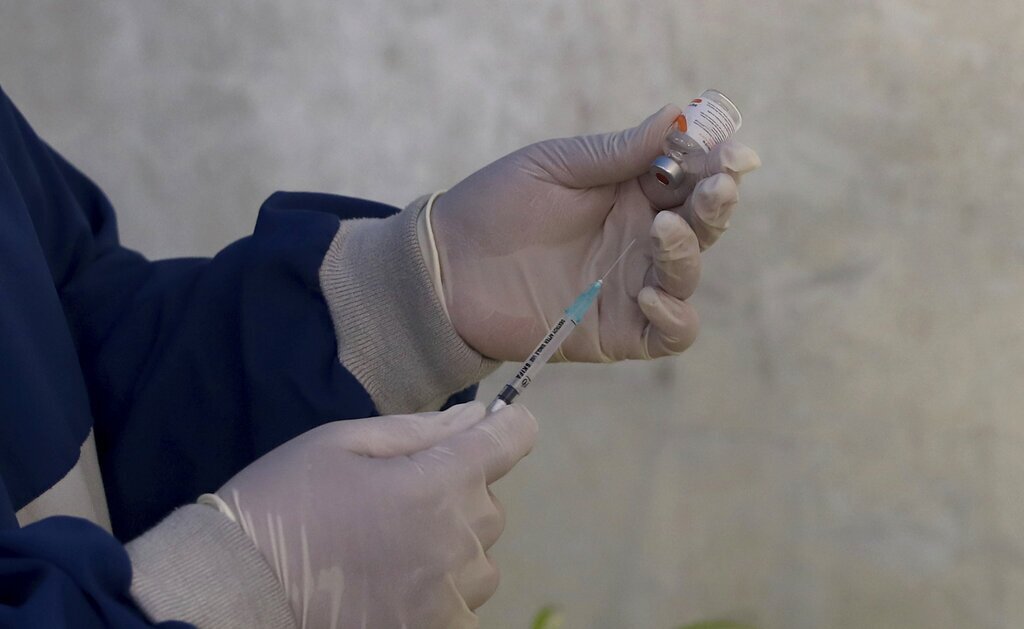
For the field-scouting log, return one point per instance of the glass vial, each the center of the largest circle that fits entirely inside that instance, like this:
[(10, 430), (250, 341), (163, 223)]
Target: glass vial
[(707, 120)]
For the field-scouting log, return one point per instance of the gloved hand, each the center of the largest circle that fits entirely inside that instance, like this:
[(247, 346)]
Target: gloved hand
[(384, 522), (521, 238)]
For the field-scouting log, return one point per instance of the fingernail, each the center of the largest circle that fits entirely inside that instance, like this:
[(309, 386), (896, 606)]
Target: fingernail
[(648, 296), (665, 230), (714, 199), (739, 159)]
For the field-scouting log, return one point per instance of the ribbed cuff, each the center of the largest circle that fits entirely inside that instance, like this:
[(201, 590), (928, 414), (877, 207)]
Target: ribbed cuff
[(200, 567), (393, 333)]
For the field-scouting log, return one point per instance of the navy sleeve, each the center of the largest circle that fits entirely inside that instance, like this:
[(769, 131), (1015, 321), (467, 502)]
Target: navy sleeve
[(66, 572), (194, 367)]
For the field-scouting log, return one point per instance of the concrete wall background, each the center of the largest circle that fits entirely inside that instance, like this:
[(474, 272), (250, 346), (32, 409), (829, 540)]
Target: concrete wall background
[(844, 446)]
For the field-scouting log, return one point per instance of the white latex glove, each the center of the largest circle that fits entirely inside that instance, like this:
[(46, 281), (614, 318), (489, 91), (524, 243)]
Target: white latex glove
[(521, 238), (384, 522)]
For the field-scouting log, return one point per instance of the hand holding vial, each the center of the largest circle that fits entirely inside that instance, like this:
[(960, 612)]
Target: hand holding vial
[(524, 236)]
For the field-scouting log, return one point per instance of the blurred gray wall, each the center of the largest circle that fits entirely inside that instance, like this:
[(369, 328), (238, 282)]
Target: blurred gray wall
[(844, 446)]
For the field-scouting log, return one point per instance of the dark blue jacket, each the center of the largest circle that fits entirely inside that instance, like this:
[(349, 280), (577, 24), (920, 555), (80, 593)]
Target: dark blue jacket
[(186, 370)]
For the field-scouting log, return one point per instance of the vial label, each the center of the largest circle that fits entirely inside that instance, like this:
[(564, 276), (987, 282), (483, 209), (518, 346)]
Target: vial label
[(708, 122)]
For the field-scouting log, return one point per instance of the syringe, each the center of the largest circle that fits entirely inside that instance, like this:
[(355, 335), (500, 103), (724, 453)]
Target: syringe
[(552, 340)]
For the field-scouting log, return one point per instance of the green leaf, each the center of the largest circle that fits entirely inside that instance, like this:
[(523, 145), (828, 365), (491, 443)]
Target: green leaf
[(547, 618)]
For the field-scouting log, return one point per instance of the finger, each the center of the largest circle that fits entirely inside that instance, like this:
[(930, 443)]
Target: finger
[(595, 160), (478, 581), (489, 526), (673, 322), (676, 255), (402, 435), (495, 444), (731, 158), (710, 207)]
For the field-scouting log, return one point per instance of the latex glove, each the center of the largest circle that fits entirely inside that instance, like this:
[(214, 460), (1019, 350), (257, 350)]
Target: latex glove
[(521, 238), (384, 522)]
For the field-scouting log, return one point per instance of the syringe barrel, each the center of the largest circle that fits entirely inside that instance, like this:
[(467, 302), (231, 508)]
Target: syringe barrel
[(542, 354)]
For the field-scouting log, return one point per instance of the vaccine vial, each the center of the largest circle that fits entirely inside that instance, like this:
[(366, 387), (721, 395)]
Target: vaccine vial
[(707, 120)]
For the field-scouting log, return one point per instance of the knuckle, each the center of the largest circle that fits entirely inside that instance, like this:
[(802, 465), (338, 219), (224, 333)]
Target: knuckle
[(530, 424), (490, 581), (493, 523), (687, 331), (525, 425)]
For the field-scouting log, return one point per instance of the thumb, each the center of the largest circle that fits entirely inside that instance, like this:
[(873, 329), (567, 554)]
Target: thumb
[(494, 445), (587, 161), (402, 435)]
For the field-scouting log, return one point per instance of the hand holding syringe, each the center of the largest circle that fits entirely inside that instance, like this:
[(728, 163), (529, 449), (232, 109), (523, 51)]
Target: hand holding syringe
[(553, 340)]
